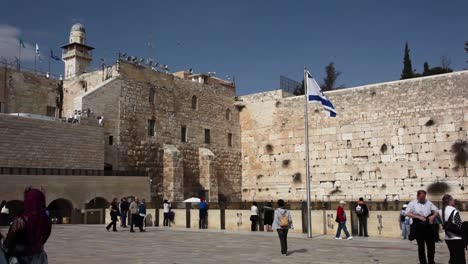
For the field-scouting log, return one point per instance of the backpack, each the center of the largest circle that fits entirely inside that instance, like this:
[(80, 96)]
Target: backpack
[(359, 210), (284, 220)]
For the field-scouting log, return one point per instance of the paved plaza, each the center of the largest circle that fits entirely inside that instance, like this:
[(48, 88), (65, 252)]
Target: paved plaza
[(93, 244)]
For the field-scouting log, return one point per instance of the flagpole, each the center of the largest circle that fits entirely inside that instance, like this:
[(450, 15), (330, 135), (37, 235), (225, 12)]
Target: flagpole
[(306, 124)]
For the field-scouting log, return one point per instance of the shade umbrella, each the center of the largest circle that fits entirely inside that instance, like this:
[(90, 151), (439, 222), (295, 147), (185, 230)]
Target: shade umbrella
[(192, 200)]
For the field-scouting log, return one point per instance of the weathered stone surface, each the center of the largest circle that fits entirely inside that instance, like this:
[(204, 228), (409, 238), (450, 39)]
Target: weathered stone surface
[(381, 135), (32, 143)]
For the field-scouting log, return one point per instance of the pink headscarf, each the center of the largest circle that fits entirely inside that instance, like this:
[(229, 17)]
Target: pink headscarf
[(38, 226)]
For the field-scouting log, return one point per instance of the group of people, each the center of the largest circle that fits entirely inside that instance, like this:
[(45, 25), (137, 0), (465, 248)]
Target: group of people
[(136, 208), (423, 214)]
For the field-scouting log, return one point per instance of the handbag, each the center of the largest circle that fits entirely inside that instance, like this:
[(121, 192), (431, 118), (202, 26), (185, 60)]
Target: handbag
[(337, 219), (452, 228)]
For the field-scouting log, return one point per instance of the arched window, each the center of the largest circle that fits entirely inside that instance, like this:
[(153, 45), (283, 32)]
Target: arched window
[(228, 114), (194, 103), (151, 96)]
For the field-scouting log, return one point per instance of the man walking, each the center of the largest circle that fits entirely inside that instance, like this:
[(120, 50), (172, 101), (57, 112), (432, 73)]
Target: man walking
[(363, 213), (123, 212), (423, 213), (134, 211)]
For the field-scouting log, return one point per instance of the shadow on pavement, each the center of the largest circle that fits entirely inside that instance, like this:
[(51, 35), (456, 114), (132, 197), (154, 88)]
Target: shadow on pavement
[(302, 250)]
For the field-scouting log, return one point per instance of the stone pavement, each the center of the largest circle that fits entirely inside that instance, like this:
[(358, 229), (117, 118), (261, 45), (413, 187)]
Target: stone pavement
[(93, 244)]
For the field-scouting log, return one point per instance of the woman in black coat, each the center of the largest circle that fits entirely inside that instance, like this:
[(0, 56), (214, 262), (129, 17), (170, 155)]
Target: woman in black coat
[(114, 213)]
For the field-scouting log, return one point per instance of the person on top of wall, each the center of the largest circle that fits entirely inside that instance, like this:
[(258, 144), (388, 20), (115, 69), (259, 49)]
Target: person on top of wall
[(423, 213), (167, 211), (268, 213), (123, 206), (453, 226), (363, 213), (203, 214), (405, 223), (30, 231), (134, 211), (114, 214), (341, 220), (282, 222), (254, 216)]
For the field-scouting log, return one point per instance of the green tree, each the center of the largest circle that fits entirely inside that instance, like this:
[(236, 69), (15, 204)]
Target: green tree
[(407, 72), (466, 47), (331, 75), (426, 70)]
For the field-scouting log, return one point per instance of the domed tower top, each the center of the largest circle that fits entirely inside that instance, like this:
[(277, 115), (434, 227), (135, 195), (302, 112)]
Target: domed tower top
[(78, 34), (78, 27)]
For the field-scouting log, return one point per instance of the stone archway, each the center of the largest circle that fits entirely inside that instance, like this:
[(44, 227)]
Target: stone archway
[(97, 203), (60, 211)]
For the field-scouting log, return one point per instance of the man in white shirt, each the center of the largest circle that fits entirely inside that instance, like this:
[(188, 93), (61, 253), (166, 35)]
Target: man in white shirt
[(423, 213)]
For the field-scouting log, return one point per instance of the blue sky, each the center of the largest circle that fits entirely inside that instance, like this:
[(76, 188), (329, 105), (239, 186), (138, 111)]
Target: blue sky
[(255, 41)]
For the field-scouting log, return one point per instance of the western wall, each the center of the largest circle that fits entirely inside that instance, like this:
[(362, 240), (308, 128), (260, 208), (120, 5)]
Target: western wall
[(388, 141)]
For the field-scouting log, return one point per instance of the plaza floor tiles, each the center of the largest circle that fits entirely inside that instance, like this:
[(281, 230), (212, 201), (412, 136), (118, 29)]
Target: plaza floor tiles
[(93, 244)]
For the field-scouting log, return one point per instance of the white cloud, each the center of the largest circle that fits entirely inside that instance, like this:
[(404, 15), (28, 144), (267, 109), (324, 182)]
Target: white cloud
[(9, 44)]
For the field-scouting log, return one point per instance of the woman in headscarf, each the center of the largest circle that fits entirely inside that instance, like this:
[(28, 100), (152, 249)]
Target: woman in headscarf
[(29, 231)]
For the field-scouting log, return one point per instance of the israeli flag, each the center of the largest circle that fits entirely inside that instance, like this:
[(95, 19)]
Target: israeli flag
[(315, 94)]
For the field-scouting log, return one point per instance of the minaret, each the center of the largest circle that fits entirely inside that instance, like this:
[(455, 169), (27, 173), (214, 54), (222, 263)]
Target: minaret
[(76, 54)]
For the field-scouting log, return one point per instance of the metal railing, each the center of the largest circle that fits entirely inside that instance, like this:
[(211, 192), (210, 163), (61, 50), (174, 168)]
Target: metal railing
[(18, 67), (69, 172)]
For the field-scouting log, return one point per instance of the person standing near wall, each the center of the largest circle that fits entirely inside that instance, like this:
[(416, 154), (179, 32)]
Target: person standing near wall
[(268, 213), (282, 222), (114, 213), (341, 220), (423, 213), (453, 226), (123, 212), (254, 216), (142, 215), (203, 214), (167, 211), (134, 212), (405, 223), (363, 213)]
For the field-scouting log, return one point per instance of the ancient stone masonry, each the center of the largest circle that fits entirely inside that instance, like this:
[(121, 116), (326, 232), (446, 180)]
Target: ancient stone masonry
[(388, 141), (161, 124), (23, 92), (32, 143)]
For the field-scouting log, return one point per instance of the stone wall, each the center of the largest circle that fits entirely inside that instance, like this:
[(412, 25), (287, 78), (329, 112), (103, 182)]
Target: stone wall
[(172, 109), (388, 141), (124, 102), (24, 92), (33, 143)]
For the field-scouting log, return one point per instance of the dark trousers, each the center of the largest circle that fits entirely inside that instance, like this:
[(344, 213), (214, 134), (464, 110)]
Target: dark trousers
[(112, 224), (202, 223), (136, 222), (123, 219), (363, 226), (283, 237), (457, 251), (254, 220), (166, 219), (425, 238)]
